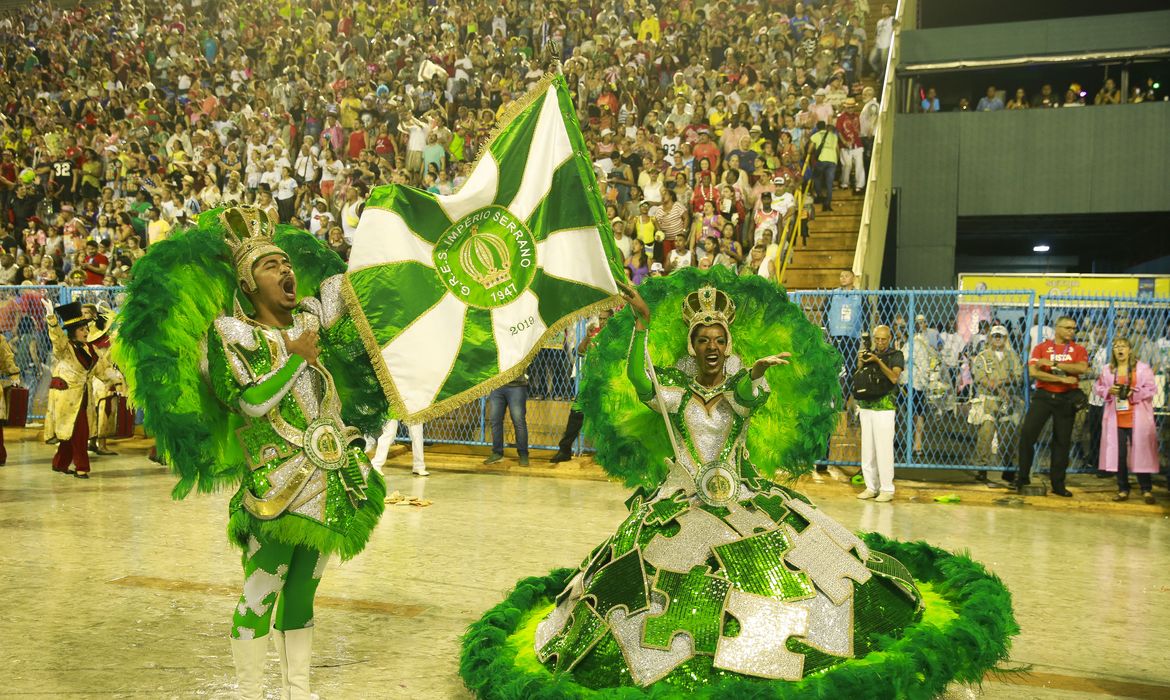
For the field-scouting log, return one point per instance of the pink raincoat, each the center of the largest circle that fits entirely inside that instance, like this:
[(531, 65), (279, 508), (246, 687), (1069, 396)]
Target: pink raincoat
[(1143, 451)]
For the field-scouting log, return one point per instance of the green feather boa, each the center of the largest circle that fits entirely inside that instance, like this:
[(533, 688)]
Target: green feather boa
[(179, 288), (787, 435), (919, 665)]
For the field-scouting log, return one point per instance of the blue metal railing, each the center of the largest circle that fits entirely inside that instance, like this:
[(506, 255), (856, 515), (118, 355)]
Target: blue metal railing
[(941, 422)]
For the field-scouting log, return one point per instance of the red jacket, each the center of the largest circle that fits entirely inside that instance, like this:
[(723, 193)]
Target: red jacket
[(849, 130)]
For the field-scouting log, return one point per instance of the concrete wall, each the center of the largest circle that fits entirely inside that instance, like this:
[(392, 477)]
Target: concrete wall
[(1122, 32), (1086, 160)]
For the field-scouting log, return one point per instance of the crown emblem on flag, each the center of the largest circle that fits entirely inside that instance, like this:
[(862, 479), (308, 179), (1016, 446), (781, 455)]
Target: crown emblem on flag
[(485, 257)]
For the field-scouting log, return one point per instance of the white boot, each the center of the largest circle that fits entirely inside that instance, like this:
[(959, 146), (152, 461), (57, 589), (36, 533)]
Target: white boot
[(249, 656), (278, 639), (298, 651)]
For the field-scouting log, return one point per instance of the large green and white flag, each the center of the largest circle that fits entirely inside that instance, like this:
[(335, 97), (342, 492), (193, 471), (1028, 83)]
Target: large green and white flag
[(454, 294)]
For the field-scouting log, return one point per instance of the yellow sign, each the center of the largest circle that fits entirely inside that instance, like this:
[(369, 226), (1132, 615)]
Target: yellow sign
[(1153, 286)]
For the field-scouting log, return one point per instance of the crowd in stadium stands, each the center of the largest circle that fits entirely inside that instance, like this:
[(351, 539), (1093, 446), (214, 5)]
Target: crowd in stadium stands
[(121, 121), (1075, 96)]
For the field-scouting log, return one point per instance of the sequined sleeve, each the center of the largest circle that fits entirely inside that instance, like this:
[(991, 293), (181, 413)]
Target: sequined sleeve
[(262, 395), (219, 372), (750, 393), (332, 306), (637, 367), (58, 339), (234, 384), (7, 360)]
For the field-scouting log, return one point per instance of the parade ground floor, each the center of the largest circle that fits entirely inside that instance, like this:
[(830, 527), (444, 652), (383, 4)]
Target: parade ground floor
[(111, 589)]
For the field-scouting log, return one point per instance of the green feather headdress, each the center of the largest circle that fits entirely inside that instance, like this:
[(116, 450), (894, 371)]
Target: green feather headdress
[(787, 435), (179, 288)]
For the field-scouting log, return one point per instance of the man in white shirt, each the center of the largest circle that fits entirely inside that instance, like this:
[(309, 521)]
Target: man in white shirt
[(671, 142), (306, 164), (870, 107), (883, 37)]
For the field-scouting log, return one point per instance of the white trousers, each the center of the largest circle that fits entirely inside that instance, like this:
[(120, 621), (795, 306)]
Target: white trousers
[(877, 449), (386, 439), (853, 162)]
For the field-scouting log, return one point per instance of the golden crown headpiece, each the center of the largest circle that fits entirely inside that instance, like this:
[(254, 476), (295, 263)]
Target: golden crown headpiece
[(708, 306), (249, 234)]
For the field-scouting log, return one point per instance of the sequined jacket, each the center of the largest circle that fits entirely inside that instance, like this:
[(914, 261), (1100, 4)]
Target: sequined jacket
[(8, 370), (712, 423), (71, 378), (306, 480)]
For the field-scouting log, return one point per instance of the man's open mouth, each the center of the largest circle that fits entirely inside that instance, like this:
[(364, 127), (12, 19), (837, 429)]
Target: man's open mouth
[(289, 285)]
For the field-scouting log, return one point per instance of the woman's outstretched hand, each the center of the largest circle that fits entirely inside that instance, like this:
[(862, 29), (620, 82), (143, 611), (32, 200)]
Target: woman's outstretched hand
[(638, 304), (764, 363)]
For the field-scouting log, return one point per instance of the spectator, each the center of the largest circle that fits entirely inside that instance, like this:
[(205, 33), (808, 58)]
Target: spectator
[(877, 415), (9, 270), (680, 256), (337, 243), (991, 102), (514, 397), (96, 264), (997, 372), (923, 366), (1073, 97), (671, 217), (852, 152), (883, 39), (1108, 94), (637, 264), (870, 109), (823, 146), (1129, 439), (576, 418), (624, 242), (845, 320), (645, 228), (1056, 366), (1020, 101), (930, 102), (1045, 98)]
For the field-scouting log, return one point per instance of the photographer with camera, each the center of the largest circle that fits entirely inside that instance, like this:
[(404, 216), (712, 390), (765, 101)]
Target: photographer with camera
[(878, 368), (1129, 439), (1056, 365)]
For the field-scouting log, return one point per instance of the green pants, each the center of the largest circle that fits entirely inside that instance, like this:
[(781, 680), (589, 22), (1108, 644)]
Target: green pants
[(279, 576)]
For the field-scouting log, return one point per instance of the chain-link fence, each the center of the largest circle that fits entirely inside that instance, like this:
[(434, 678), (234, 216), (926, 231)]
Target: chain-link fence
[(960, 403), (553, 377), (22, 321), (964, 391)]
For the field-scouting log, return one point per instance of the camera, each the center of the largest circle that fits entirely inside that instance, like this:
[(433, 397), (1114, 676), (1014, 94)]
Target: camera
[(866, 344), (1122, 392)]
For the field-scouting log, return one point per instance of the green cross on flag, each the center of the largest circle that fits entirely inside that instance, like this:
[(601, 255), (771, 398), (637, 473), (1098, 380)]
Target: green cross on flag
[(454, 294)]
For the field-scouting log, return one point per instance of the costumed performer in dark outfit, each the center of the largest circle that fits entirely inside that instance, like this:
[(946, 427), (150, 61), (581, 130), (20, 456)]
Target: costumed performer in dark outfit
[(75, 363)]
